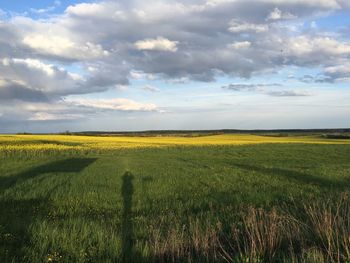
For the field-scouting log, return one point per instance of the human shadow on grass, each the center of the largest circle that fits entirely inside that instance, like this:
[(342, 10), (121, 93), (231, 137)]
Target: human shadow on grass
[(127, 226), (297, 176), (18, 215), (129, 253)]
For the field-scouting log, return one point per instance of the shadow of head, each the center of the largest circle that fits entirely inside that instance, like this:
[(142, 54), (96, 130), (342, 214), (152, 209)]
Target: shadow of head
[(127, 187)]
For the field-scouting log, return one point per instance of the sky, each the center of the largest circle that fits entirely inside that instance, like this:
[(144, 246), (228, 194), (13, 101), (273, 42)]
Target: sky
[(133, 65)]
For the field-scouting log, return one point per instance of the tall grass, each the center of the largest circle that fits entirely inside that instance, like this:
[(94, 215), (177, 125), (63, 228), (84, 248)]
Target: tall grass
[(319, 232)]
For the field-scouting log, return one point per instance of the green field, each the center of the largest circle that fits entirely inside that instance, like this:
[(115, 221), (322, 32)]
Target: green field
[(263, 202)]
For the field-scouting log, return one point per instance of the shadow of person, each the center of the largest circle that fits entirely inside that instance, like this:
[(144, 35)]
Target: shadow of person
[(17, 215), (129, 253), (127, 226)]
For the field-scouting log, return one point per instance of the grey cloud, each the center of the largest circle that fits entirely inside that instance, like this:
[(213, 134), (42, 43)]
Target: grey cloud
[(319, 78), (241, 87), (287, 93), (266, 89), (55, 82), (201, 30), (106, 74), (67, 109), (150, 88), (249, 87), (10, 91), (339, 72), (39, 76), (307, 79)]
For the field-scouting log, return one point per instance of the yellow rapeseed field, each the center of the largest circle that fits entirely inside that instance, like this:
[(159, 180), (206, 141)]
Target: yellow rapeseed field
[(39, 143)]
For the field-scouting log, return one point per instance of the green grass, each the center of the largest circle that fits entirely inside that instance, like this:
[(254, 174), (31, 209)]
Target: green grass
[(129, 205)]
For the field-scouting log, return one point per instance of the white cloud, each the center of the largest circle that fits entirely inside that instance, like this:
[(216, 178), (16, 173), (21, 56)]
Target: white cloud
[(338, 73), (303, 45), (159, 43), (31, 63), (122, 87), (103, 11), (45, 116), (272, 89), (236, 26), (277, 14), (6, 61), (240, 45), (43, 111), (218, 2), (63, 46), (37, 75), (119, 104), (138, 75), (56, 4), (86, 9), (343, 69), (287, 93)]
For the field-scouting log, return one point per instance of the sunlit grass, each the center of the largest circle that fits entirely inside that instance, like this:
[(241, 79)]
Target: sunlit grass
[(225, 198)]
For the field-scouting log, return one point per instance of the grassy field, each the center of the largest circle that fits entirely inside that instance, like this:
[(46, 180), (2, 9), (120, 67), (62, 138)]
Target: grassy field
[(222, 198)]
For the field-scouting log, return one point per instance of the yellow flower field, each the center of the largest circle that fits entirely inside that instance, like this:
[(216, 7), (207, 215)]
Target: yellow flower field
[(9, 143)]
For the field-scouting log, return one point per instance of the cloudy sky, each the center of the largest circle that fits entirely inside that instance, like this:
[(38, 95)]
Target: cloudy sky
[(174, 64)]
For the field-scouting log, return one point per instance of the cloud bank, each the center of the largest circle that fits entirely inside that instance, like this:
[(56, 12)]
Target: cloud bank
[(97, 46)]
